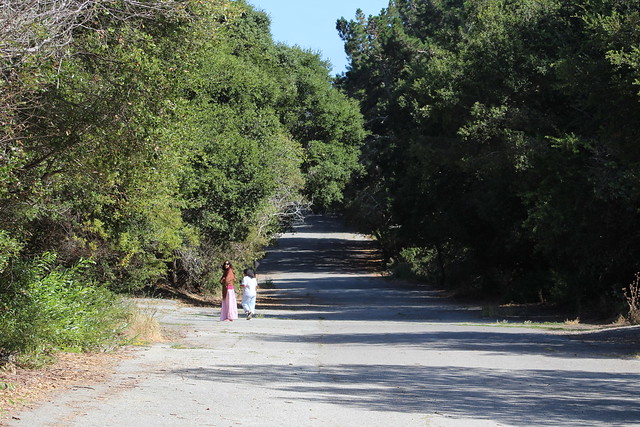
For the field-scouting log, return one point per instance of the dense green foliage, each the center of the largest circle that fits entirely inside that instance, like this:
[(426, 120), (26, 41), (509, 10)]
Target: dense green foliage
[(154, 138), (503, 154), (51, 308)]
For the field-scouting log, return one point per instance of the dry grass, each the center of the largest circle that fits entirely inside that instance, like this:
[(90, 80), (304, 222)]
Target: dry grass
[(143, 327), (22, 388), (621, 321), (632, 295)]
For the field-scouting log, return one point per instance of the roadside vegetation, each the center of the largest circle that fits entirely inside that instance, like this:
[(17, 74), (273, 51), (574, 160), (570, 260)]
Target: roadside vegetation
[(141, 143), (502, 161), (51, 308), (489, 146)]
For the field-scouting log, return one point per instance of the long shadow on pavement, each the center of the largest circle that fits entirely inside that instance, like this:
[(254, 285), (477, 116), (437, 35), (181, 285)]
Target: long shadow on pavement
[(504, 342), (529, 397)]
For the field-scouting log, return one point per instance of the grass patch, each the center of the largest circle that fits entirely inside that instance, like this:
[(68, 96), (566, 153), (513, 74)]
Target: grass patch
[(179, 346), (554, 326), (574, 322), (142, 327)]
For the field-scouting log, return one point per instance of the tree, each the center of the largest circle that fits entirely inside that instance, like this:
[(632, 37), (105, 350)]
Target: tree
[(326, 123), (501, 141)]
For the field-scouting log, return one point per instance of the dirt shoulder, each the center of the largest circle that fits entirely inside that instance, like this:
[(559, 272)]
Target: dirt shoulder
[(24, 388)]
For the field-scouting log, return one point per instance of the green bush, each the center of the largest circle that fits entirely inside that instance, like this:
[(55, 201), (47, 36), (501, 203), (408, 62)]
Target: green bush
[(46, 307), (419, 263)]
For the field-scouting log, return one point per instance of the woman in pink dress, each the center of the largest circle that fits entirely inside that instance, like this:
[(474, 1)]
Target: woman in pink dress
[(229, 311)]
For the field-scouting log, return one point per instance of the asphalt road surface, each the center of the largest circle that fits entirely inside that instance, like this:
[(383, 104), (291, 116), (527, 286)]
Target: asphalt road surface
[(335, 344)]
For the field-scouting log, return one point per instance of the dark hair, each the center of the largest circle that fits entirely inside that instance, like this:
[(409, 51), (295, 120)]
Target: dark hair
[(249, 272), (227, 263)]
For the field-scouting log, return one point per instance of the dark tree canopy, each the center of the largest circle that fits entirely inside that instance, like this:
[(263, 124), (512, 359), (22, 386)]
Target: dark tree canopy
[(503, 151)]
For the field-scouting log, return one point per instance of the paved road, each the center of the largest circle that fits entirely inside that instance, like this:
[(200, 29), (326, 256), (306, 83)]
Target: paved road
[(339, 346)]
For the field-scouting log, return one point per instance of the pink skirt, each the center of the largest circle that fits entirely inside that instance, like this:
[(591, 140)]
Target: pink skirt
[(229, 306)]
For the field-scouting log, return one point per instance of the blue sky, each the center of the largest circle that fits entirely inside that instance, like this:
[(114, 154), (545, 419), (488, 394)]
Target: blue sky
[(311, 24)]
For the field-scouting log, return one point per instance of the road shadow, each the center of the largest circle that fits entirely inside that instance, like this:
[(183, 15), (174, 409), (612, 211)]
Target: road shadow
[(502, 342), (529, 397), (363, 298), (321, 271), (322, 244)]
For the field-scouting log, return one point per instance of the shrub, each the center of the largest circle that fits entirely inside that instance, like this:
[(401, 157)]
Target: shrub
[(632, 295), (46, 307)]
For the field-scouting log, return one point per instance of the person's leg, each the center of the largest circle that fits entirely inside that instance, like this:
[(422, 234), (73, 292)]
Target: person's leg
[(245, 304), (224, 310), (252, 304), (232, 305)]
